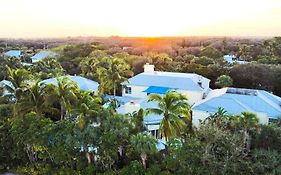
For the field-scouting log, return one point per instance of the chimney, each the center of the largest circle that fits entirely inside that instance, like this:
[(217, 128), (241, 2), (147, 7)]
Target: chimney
[(148, 67), (132, 106)]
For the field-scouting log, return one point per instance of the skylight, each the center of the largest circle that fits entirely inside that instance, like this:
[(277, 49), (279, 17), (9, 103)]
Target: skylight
[(241, 91)]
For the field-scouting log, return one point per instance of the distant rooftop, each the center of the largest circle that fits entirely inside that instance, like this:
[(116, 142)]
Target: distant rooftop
[(13, 53), (42, 55)]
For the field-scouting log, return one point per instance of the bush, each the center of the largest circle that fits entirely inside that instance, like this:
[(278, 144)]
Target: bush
[(266, 162), (135, 167), (269, 137)]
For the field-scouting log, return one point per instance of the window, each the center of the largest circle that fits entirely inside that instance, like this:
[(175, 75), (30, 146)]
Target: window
[(128, 90)]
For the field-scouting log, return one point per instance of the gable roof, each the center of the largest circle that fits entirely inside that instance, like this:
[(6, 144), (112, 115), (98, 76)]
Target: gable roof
[(172, 80), (42, 55), (13, 53), (237, 100)]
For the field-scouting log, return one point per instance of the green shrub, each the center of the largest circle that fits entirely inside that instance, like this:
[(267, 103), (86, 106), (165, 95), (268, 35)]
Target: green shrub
[(266, 162)]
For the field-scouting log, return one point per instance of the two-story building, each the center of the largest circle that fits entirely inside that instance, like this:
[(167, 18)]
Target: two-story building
[(194, 86)]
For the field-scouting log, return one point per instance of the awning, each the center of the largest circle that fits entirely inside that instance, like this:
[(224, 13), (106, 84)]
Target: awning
[(157, 90)]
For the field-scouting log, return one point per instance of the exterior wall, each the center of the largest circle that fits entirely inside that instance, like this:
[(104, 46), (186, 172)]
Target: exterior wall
[(202, 115), (152, 127), (199, 115), (193, 96), (137, 91), (263, 118)]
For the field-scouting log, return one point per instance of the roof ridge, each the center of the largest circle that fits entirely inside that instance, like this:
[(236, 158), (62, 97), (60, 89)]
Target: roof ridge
[(242, 104), (267, 100)]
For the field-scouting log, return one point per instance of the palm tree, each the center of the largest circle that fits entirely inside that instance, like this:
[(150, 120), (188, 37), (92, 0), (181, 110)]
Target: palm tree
[(36, 99), (137, 121), (87, 110), (18, 77), (173, 106), (66, 93), (111, 72), (144, 144), (220, 119), (245, 122), (89, 66)]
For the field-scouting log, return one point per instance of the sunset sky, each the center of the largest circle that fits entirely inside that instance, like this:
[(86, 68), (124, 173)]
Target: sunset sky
[(61, 18)]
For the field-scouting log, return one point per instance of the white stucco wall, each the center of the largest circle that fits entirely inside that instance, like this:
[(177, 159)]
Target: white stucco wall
[(263, 118), (198, 115), (152, 127), (137, 91), (193, 96)]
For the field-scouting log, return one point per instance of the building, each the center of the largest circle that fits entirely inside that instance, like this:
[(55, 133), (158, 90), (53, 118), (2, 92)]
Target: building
[(42, 55), (137, 89), (237, 100), (13, 53), (5, 85), (231, 59), (195, 86), (83, 83)]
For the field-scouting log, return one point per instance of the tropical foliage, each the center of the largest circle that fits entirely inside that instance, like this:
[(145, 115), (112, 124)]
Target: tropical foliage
[(57, 129)]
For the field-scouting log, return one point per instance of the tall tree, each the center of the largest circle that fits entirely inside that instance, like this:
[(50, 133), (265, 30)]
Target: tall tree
[(65, 92), (111, 72), (144, 144), (173, 106), (224, 81), (35, 99)]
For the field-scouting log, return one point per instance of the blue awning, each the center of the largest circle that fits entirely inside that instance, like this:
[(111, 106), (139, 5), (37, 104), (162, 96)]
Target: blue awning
[(157, 90)]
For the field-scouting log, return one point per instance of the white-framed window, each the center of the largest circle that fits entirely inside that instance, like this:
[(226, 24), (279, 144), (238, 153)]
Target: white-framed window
[(128, 90)]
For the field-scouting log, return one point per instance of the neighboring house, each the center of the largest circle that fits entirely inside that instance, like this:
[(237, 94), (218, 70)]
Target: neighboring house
[(5, 85), (42, 55), (237, 100), (13, 53), (195, 86), (232, 59), (83, 83)]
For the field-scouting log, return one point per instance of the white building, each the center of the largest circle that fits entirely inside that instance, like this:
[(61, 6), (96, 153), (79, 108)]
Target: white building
[(237, 100), (42, 55), (194, 86), (136, 90), (13, 53), (231, 59)]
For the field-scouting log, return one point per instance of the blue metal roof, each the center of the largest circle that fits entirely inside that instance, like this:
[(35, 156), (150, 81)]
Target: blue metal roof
[(157, 90), (184, 81), (13, 53), (4, 84), (262, 101), (42, 55), (83, 83)]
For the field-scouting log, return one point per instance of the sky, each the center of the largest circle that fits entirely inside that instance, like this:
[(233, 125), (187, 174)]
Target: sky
[(62, 18)]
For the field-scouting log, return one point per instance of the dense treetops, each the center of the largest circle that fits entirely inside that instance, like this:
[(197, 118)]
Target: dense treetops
[(48, 129)]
